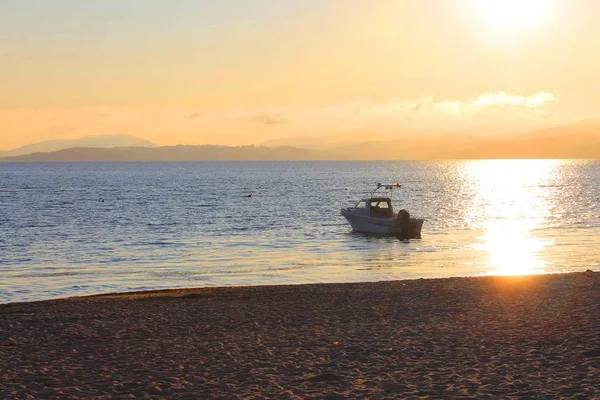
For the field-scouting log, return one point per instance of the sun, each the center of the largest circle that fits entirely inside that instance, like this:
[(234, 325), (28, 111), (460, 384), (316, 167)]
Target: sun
[(515, 15)]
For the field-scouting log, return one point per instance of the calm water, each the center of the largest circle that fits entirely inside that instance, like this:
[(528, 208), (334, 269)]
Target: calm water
[(189, 224)]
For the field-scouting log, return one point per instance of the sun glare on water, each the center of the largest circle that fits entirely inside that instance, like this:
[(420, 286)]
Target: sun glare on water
[(512, 249), (514, 15), (512, 196)]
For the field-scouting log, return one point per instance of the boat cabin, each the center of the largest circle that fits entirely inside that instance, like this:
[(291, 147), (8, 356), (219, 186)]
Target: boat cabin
[(374, 214), (378, 207)]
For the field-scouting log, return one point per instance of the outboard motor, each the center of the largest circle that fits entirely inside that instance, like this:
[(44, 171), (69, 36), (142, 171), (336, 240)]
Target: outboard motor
[(406, 224)]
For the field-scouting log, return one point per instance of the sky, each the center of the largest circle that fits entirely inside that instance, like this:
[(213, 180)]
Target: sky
[(244, 71)]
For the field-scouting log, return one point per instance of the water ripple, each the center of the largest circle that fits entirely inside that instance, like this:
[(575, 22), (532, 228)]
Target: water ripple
[(75, 229)]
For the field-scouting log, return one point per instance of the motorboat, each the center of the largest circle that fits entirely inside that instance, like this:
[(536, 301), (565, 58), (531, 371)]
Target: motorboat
[(374, 214)]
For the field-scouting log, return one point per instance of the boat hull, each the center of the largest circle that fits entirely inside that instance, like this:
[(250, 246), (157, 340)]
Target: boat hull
[(384, 226)]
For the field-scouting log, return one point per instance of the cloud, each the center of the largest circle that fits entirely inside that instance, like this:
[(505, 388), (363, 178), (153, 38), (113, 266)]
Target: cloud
[(503, 99), (484, 104), (266, 119)]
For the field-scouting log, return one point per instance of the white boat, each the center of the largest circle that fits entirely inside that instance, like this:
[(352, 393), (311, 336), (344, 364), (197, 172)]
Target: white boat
[(374, 214)]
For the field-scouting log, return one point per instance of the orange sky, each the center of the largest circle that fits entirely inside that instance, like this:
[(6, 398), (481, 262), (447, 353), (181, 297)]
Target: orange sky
[(239, 72)]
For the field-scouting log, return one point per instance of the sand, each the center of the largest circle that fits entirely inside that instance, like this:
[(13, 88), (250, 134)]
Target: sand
[(490, 337)]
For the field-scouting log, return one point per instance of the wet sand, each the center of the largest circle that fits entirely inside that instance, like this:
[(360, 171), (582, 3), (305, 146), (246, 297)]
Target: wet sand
[(491, 337)]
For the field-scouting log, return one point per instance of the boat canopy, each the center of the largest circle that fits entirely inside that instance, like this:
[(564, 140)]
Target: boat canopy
[(382, 199)]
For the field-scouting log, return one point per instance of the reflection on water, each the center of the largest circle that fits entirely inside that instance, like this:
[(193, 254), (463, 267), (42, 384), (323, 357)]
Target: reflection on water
[(512, 196), (511, 248)]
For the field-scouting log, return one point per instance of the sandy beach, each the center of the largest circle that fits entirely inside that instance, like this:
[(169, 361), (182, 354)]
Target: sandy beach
[(488, 337)]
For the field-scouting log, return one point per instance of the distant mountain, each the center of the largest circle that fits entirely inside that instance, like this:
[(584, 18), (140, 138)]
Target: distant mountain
[(167, 153), (322, 142), (580, 139), (103, 141), (345, 139), (577, 140), (331, 141)]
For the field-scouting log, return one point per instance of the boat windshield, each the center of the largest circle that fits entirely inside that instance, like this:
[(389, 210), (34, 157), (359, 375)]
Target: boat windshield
[(381, 208)]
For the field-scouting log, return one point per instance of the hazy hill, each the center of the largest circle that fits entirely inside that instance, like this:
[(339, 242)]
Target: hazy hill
[(551, 143), (167, 153), (324, 142), (103, 141)]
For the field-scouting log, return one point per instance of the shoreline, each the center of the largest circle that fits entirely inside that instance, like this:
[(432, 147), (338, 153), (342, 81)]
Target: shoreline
[(173, 292), (468, 337)]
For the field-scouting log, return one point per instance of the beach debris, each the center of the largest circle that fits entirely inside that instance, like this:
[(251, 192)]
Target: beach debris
[(326, 377), (334, 396), (591, 353)]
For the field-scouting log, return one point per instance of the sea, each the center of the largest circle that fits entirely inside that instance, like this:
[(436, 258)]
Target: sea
[(72, 229)]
